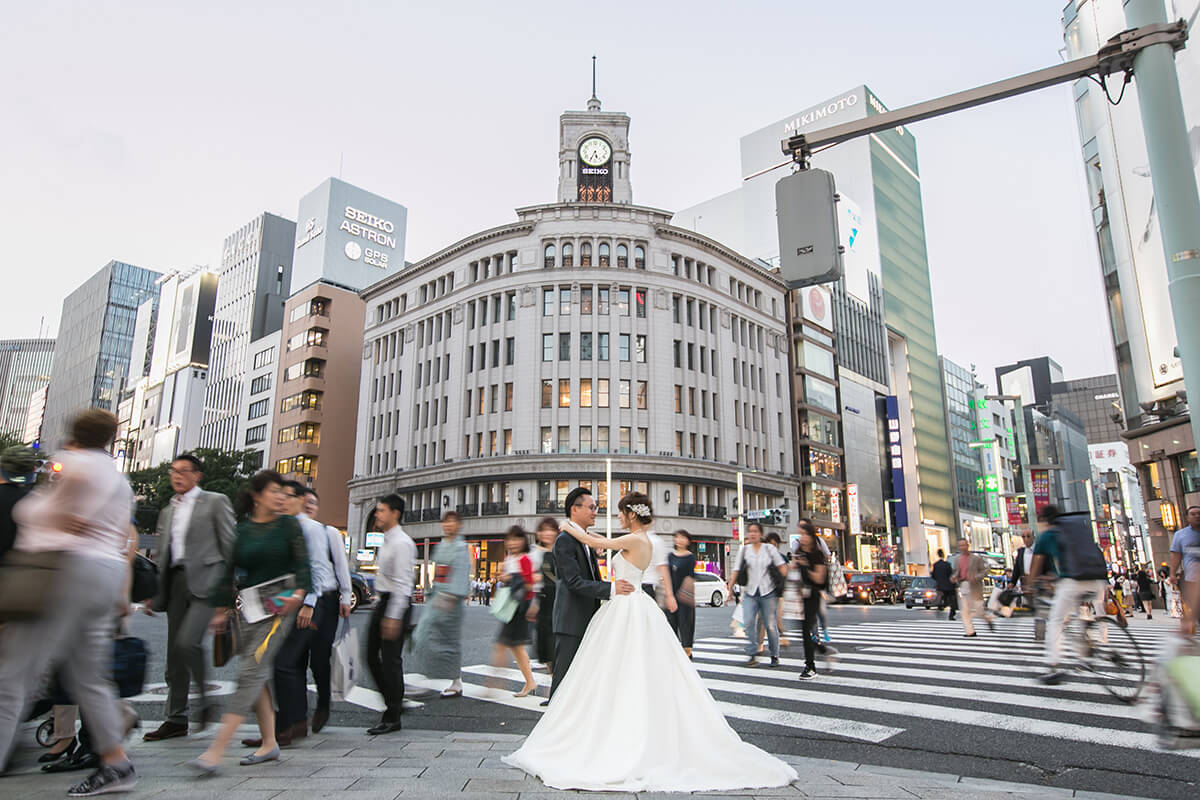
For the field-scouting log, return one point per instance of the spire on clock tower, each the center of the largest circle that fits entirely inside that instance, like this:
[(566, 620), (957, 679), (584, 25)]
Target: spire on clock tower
[(593, 154)]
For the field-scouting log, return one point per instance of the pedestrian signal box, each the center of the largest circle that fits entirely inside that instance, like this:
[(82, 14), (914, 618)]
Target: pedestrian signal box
[(809, 246)]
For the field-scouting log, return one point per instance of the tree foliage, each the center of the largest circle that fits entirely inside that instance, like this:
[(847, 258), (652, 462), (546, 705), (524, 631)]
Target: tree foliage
[(225, 471)]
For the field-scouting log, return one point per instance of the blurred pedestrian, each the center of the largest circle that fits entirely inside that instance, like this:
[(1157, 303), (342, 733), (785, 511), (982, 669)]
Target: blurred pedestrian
[(681, 563), (268, 546), (941, 574), (516, 576), (320, 654), (813, 566), (757, 564), (1145, 591), (438, 637), (773, 539), (393, 609), (195, 536), (541, 610), (84, 517)]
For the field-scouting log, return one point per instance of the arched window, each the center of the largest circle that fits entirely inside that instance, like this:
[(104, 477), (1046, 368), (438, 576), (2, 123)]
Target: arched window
[(604, 254), (568, 254), (585, 254), (622, 256), (549, 259), (639, 257)]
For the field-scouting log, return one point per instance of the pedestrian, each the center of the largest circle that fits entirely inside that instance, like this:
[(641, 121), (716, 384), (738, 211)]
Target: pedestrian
[(1145, 593), (195, 536), (1183, 574), (1001, 598), (517, 577), (814, 574), (438, 637), (84, 517), (773, 539), (542, 607), (320, 658), (487, 591), (268, 547), (941, 574), (757, 565), (393, 609), (967, 573), (681, 566), (18, 472), (311, 638)]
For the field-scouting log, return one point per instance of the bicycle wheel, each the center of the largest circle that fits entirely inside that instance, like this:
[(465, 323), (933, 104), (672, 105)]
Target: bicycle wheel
[(1117, 662)]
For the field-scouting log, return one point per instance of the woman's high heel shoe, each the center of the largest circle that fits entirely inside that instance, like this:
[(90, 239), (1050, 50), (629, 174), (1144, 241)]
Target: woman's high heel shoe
[(528, 690)]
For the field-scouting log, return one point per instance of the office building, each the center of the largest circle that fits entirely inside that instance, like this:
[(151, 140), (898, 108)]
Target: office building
[(24, 371), (258, 401), (34, 416), (254, 281), (882, 313), (511, 367), (94, 349), (314, 421), (1133, 266)]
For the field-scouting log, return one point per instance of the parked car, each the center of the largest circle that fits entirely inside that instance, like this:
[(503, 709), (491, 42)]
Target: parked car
[(923, 592), (873, 587), (363, 593), (710, 589)]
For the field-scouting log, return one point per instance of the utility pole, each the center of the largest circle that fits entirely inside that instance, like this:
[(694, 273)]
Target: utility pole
[(1175, 194)]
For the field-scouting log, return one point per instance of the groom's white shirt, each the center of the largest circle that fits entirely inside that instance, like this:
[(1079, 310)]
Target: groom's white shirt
[(612, 586)]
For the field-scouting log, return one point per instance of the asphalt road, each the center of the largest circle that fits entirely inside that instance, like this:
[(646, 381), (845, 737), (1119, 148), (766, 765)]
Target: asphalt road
[(909, 692)]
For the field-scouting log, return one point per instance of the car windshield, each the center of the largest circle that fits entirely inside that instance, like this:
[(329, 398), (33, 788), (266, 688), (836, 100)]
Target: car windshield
[(863, 579), (704, 576), (924, 583)]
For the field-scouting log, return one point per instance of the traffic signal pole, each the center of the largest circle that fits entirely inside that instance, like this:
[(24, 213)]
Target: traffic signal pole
[(1173, 176)]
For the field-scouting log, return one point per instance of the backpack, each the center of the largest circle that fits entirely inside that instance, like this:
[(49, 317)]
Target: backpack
[(1079, 557)]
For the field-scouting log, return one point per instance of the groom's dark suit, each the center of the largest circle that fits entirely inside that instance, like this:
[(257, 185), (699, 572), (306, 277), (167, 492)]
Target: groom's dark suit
[(578, 596)]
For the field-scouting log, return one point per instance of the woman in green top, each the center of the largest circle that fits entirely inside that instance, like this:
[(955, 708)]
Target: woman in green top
[(269, 546), (438, 638)]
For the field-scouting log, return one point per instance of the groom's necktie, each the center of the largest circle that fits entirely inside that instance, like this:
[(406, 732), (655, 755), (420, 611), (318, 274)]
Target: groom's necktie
[(590, 557)]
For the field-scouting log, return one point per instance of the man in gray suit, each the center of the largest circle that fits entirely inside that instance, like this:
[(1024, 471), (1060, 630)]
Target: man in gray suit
[(195, 536), (967, 571)]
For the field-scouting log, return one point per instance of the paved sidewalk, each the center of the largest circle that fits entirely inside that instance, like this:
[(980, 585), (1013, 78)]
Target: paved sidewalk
[(346, 764)]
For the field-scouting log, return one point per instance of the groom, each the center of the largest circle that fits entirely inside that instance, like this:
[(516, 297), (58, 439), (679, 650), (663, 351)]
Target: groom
[(580, 589)]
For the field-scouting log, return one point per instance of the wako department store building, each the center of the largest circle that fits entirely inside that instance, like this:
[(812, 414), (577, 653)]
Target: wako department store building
[(503, 371)]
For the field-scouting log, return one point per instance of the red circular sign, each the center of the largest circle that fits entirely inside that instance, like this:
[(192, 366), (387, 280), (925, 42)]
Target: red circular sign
[(816, 302)]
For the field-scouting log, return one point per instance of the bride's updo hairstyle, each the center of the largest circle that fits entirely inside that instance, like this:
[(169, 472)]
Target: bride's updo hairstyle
[(638, 505)]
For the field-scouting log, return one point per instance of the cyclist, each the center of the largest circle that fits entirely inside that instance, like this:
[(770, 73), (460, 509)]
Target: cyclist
[(1066, 545)]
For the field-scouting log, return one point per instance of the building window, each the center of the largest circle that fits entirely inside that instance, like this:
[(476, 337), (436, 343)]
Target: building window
[(313, 337), (624, 432), (548, 437), (585, 254), (508, 442), (1189, 472), (264, 357), (602, 440), (623, 395), (623, 302), (639, 257), (256, 434), (260, 384), (567, 254), (548, 256), (602, 393), (639, 349), (510, 351), (623, 346), (547, 303), (564, 439), (585, 440), (564, 393), (547, 393), (622, 256), (300, 465), (547, 347), (308, 432), (643, 439), (585, 346), (258, 408), (602, 301), (511, 304), (564, 301), (306, 400), (508, 397), (602, 350), (677, 349), (585, 300), (585, 392), (639, 301), (564, 347), (641, 395), (603, 253)]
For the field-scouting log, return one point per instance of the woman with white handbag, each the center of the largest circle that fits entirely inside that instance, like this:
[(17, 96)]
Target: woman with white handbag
[(511, 604)]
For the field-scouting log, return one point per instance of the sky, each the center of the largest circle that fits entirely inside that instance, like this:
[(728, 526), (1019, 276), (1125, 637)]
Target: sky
[(146, 132)]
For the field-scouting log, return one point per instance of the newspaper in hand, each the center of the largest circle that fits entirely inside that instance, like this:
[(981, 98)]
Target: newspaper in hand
[(265, 599)]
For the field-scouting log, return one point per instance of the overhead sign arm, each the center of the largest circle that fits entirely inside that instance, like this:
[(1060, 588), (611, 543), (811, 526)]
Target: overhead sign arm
[(1115, 56)]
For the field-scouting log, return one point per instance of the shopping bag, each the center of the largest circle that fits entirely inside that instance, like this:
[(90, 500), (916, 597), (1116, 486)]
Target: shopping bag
[(344, 671), (504, 604)]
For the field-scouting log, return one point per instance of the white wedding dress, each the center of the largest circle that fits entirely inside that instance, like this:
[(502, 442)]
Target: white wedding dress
[(633, 715)]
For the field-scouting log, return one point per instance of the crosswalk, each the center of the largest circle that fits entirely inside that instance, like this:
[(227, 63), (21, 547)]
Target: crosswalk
[(893, 676)]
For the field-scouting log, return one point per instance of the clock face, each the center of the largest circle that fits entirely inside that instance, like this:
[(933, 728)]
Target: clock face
[(595, 152)]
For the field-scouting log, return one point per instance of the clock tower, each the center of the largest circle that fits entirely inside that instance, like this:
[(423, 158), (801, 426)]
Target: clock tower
[(593, 156)]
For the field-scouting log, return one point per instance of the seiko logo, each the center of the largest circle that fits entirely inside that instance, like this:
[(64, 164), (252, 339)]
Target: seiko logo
[(593, 171), (807, 250), (832, 107)]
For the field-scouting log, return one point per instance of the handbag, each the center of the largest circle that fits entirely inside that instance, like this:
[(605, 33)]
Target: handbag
[(144, 585), (28, 580), (777, 579), (129, 665), (226, 643), (686, 596), (343, 674), (504, 604)]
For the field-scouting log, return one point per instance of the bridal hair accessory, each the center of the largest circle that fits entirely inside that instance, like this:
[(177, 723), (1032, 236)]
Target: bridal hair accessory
[(641, 509)]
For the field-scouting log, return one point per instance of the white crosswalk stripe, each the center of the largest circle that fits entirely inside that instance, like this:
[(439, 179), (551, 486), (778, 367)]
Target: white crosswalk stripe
[(918, 669)]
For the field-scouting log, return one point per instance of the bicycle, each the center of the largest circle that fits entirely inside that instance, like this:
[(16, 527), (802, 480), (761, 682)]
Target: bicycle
[(1102, 647)]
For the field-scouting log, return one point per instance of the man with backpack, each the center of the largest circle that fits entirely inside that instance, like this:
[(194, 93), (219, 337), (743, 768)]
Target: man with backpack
[(1067, 545)]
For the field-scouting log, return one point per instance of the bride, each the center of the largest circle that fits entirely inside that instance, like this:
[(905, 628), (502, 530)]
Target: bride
[(632, 714)]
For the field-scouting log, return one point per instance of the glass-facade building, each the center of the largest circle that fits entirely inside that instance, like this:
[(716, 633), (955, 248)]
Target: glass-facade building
[(962, 429), (24, 371), (95, 344)]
